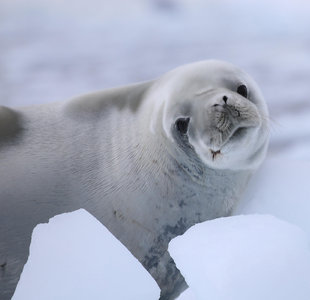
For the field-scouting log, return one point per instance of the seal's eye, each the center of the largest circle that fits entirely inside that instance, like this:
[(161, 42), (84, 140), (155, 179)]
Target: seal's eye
[(242, 90), (182, 125)]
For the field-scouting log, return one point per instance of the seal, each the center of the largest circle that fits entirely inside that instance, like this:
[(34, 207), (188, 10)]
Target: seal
[(148, 160)]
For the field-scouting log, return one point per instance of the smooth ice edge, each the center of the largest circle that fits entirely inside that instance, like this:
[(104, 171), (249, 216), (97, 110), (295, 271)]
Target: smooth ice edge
[(244, 257), (76, 257)]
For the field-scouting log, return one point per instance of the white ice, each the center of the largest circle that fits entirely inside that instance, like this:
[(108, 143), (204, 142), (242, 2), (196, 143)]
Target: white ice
[(244, 257), (75, 257)]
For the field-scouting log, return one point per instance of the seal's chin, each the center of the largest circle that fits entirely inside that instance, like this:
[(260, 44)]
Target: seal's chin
[(224, 153)]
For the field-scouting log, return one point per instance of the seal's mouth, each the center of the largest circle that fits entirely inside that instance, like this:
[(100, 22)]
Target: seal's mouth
[(238, 133), (215, 153)]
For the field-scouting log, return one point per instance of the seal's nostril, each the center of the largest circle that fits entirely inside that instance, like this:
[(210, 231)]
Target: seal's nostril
[(225, 98)]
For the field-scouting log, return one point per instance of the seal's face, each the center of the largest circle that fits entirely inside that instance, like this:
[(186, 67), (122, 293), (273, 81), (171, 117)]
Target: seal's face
[(221, 111)]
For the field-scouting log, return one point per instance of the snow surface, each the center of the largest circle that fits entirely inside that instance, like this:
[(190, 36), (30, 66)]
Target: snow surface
[(188, 295), (75, 257), (244, 257), (280, 188)]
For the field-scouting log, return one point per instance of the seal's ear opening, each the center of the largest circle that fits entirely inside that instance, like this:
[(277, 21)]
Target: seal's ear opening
[(182, 124)]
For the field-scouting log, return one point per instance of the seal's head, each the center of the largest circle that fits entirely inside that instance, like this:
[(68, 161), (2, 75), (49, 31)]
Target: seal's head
[(219, 109)]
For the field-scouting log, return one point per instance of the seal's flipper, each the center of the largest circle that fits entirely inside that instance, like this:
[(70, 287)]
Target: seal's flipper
[(9, 124), (126, 97)]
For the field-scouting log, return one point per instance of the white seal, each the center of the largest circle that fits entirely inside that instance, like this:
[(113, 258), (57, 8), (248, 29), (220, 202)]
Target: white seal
[(147, 160)]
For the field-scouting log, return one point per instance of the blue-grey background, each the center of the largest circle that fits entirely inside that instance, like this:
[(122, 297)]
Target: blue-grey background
[(52, 50)]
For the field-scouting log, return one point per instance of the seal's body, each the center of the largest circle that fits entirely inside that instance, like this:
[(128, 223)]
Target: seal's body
[(148, 160)]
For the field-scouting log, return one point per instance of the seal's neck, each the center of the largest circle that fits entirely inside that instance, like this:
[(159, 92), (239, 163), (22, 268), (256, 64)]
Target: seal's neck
[(187, 159)]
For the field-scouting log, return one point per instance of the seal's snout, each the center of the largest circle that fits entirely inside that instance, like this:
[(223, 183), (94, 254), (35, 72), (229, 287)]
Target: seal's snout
[(219, 102)]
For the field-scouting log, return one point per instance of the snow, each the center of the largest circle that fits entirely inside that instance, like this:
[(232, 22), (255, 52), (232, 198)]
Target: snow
[(280, 188), (290, 135), (75, 257), (245, 257), (187, 295)]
